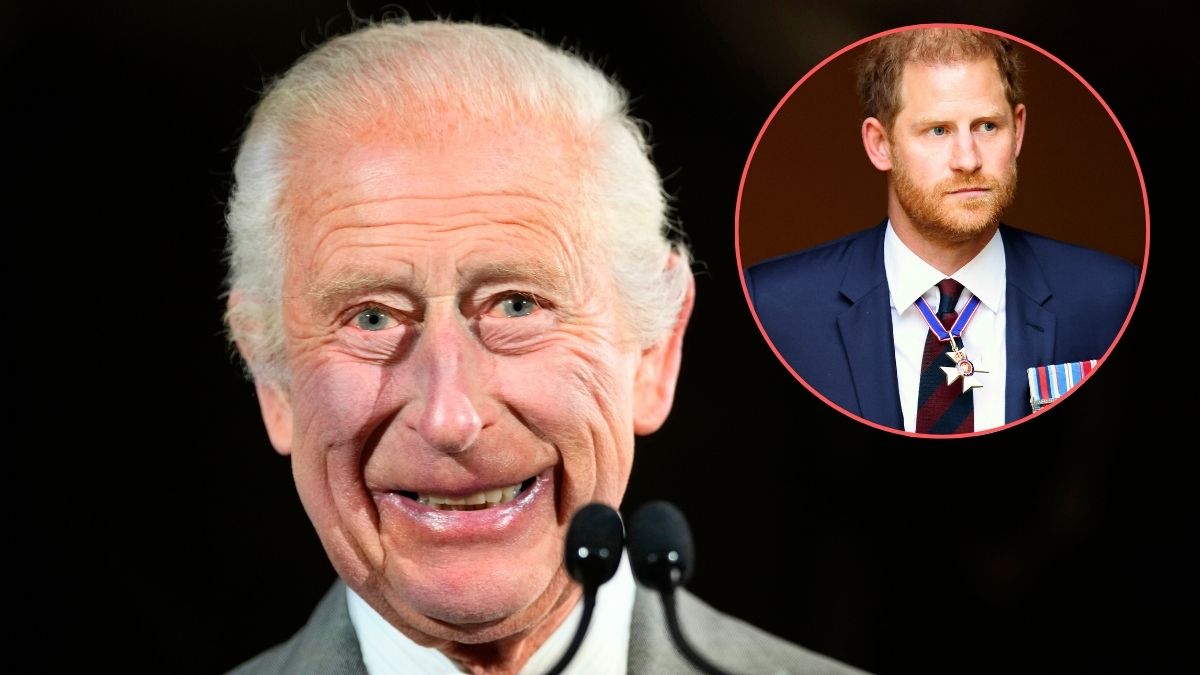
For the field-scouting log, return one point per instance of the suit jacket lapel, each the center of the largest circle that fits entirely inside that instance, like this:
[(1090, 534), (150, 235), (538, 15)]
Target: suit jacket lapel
[(866, 331), (1029, 331), (650, 647), (326, 644)]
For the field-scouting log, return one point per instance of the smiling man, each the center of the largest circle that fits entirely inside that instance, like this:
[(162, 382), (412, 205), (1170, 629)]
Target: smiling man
[(452, 282), (930, 322)]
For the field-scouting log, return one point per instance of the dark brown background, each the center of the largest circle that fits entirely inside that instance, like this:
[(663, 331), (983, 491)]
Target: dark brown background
[(809, 180)]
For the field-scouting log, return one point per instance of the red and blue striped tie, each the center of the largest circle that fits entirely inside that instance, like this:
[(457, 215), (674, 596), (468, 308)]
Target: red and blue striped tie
[(943, 408)]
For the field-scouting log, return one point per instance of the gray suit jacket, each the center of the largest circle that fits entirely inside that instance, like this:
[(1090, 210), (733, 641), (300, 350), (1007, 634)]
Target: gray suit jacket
[(327, 644)]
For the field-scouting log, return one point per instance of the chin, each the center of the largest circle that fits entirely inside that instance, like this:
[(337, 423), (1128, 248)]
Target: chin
[(475, 598), (962, 225), (964, 232)]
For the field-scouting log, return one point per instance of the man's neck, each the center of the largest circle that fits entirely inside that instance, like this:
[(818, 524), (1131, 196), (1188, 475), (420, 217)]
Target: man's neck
[(943, 255)]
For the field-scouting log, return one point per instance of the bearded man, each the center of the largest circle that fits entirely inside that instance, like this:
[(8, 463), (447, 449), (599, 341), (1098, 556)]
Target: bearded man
[(930, 322)]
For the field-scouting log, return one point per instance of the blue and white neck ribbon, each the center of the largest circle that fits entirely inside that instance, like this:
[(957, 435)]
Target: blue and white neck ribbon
[(963, 366), (959, 326)]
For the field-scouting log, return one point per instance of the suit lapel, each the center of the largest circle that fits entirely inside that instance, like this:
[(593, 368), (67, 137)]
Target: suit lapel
[(650, 648), (866, 332), (1030, 326), (326, 644)]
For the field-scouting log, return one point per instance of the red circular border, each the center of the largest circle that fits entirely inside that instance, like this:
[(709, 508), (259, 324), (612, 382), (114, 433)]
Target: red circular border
[(737, 228)]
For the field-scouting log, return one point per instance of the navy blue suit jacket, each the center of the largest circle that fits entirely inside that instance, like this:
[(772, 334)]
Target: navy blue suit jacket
[(820, 306)]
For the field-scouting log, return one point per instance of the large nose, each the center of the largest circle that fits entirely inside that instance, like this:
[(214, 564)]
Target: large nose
[(445, 408), (965, 154)]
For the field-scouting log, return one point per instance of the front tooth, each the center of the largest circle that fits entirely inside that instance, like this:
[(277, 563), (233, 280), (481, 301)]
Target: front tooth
[(496, 496)]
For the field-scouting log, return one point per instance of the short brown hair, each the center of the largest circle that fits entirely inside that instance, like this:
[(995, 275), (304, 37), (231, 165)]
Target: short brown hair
[(881, 68)]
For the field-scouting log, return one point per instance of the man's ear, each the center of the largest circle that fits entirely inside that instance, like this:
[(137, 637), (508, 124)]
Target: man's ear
[(1019, 124), (658, 369), (276, 412), (273, 401), (875, 142)]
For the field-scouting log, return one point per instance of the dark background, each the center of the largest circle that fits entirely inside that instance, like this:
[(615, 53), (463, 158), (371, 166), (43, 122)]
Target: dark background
[(166, 535)]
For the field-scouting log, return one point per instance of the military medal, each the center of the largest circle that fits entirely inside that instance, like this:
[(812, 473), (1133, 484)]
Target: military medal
[(1048, 383), (963, 367)]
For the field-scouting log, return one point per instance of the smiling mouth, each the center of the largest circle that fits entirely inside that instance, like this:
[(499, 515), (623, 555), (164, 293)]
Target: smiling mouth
[(484, 499)]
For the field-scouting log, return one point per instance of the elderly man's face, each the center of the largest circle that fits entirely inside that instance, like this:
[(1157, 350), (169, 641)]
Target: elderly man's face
[(954, 146), (462, 379)]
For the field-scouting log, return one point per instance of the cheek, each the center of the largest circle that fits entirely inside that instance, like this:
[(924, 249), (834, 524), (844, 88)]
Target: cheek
[(916, 166), (335, 403), (337, 406), (1005, 161), (580, 399)]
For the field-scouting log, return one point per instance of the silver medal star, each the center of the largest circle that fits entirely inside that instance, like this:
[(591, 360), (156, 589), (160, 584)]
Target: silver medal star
[(964, 368)]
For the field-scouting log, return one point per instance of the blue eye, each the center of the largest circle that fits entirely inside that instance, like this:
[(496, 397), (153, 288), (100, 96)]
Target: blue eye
[(517, 305), (988, 126), (373, 319), (939, 131)]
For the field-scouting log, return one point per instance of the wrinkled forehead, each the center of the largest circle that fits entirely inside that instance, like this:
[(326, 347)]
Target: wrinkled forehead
[(429, 207), (539, 171)]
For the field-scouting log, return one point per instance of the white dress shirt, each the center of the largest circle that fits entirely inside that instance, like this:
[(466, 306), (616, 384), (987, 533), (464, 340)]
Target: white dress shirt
[(605, 650), (909, 277)]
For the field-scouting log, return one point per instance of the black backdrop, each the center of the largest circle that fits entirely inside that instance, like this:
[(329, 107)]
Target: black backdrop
[(1050, 546)]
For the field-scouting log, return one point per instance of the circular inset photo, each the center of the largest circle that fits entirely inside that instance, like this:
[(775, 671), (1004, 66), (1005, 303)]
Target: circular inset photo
[(895, 263)]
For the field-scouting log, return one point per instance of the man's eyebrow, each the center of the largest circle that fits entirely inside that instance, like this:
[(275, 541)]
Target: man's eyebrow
[(328, 296), (549, 277), (933, 121)]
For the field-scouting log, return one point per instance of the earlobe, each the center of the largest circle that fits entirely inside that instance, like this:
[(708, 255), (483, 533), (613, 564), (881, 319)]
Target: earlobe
[(276, 412), (875, 142), (658, 370)]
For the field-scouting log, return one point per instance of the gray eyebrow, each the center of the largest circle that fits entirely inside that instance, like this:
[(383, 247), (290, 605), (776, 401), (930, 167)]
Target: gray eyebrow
[(329, 295), (551, 278)]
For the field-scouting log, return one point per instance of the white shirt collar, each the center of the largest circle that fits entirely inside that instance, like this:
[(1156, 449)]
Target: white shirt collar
[(909, 277), (605, 650), (984, 276)]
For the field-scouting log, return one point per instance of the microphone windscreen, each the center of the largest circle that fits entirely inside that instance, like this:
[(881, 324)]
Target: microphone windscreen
[(660, 545), (595, 540)]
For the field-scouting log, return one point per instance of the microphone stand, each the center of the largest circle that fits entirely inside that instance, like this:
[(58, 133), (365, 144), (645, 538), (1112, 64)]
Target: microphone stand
[(660, 550), (589, 605), (593, 547), (684, 647)]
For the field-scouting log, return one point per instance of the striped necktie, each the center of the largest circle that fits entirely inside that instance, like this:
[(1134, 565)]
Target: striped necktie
[(943, 408)]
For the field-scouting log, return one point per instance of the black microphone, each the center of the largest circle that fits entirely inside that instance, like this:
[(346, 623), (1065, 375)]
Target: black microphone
[(593, 548), (660, 550)]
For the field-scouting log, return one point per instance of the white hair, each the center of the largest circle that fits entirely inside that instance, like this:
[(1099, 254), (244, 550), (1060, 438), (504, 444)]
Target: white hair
[(413, 75)]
